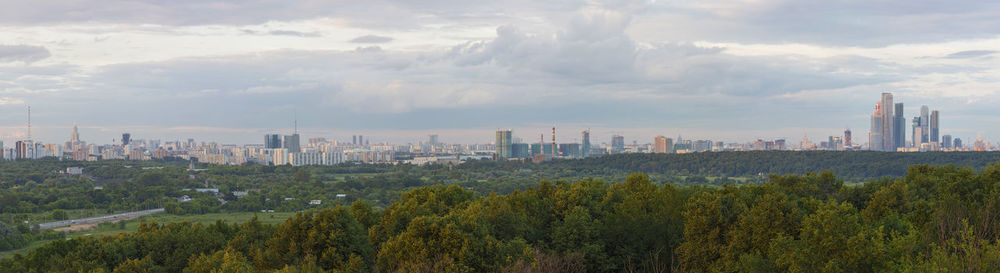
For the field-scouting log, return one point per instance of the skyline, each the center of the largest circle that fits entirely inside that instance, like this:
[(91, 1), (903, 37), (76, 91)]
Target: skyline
[(735, 70)]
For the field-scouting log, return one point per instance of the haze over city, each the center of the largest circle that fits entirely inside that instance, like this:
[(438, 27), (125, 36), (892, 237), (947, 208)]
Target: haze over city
[(398, 71)]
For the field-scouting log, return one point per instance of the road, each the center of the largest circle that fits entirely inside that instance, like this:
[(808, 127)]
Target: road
[(99, 218)]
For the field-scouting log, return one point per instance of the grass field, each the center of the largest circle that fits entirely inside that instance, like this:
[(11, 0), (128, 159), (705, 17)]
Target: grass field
[(112, 229)]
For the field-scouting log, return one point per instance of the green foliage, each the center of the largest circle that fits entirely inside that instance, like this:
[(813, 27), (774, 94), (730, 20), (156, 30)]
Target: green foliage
[(933, 219)]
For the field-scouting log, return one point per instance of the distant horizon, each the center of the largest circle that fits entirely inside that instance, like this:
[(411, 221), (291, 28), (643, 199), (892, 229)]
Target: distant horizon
[(105, 135)]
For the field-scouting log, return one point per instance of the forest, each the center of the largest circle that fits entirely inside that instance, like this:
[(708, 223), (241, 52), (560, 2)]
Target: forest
[(933, 219)]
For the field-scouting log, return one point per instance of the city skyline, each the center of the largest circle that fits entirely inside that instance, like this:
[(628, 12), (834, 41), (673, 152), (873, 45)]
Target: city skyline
[(398, 70)]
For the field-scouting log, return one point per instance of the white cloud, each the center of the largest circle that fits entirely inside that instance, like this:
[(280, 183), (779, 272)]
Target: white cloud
[(740, 65)]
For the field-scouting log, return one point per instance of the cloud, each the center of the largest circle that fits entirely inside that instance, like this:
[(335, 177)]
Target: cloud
[(587, 63), (22, 53), (970, 54), (283, 33), (9, 101), (371, 39)]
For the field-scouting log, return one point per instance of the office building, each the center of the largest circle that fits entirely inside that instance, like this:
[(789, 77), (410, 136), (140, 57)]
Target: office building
[(570, 150), (934, 129), (291, 143), (875, 134), (503, 144), (272, 141), (924, 125), (126, 139), (882, 125), (432, 140), (585, 147), (617, 144), (899, 128), (918, 132), (946, 141), (847, 138), (520, 150), (957, 143), (660, 145)]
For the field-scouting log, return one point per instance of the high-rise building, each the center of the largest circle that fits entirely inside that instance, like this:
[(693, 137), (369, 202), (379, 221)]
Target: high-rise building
[(924, 125), (875, 134), (432, 140), (617, 144), (888, 140), (570, 150), (503, 144), (881, 136), (291, 143), (660, 145), (354, 139), (520, 150), (946, 141), (21, 149), (934, 129), (957, 143), (899, 127), (585, 148), (126, 139), (918, 132), (272, 141), (847, 138)]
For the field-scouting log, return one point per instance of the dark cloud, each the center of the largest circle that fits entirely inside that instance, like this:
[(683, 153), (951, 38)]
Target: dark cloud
[(371, 39), (970, 54), (22, 53)]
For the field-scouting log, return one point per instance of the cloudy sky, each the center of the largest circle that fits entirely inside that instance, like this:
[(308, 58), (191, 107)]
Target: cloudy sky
[(733, 70)]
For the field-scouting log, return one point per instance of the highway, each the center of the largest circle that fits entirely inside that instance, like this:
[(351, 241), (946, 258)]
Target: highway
[(99, 218)]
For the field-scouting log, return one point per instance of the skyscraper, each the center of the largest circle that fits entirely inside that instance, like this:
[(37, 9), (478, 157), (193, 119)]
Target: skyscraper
[(881, 137), (924, 125), (660, 145), (585, 148), (918, 132), (946, 141), (503, 145), (847, 138), (875, 134), (432, 140), (899, 127), (291, 142), (21, 149), (617, 144), (354, 140), (888, 140), (126, 139), (272, 141), (934, 131)]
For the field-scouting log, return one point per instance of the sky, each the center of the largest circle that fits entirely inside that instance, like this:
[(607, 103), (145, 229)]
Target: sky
[(731, 70)]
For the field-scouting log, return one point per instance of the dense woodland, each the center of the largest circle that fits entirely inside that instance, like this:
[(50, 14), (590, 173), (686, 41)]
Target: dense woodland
[(560, 216), (935, 219)]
